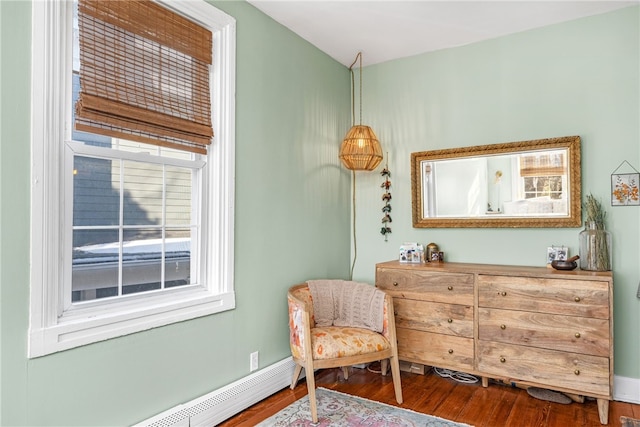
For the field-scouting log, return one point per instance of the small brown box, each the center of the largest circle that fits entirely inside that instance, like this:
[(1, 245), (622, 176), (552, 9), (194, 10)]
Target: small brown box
[(414, 368)]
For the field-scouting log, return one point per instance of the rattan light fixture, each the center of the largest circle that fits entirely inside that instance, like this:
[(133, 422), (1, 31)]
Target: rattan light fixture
[(360, 149)]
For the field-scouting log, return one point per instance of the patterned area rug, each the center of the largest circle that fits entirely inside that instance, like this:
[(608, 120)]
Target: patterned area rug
[(339, 409), (629, 422)]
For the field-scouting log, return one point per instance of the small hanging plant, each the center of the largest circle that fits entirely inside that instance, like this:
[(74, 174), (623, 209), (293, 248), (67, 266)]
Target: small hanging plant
[(386, 198)]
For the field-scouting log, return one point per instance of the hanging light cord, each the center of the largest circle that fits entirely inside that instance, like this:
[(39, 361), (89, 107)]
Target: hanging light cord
[(353, 172), (353, 90), (353, 203)]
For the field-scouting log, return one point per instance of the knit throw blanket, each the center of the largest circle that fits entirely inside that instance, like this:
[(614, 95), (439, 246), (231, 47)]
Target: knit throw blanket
[(347, 303)]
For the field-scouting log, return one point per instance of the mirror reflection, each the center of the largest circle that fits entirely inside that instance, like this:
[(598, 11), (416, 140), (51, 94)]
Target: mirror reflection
[(523, 184)]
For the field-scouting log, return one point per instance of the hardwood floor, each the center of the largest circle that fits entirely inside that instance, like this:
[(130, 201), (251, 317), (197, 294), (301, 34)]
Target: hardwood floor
[(495, 406)]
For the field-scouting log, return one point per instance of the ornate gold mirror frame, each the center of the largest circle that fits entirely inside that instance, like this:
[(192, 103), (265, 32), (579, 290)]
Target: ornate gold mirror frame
[(508, 185)]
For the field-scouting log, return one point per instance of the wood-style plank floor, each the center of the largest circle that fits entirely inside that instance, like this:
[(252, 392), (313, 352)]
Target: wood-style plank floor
[(495, 406)]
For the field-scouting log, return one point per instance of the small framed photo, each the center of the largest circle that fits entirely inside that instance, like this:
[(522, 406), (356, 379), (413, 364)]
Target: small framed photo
[(624, 189), (411, 252), (560, 253)]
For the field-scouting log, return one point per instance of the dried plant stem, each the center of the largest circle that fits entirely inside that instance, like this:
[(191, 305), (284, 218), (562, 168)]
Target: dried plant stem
[(602, 262), (595, 212)]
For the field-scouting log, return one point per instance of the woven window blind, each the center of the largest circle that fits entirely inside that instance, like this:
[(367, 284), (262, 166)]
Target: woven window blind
[(144, 74), (543, 165)]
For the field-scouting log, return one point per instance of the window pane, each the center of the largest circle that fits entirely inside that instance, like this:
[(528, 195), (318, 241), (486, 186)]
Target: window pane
[(138, 147), (95, 264), (178, 198), (143, 193), (96, 191), (149, 192), (541, 186), (178, 258), (141, 260)]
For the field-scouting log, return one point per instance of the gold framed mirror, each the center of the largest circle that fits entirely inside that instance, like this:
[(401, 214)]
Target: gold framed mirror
[(517, 184)]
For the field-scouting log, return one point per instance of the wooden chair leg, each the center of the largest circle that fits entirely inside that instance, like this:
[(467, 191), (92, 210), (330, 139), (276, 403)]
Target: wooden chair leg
[(345, 372), (384, 366), (296, 376), (311, 388), (395, 373)]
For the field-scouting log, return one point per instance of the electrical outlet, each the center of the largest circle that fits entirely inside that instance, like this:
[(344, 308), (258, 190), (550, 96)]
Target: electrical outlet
[(253, 364)]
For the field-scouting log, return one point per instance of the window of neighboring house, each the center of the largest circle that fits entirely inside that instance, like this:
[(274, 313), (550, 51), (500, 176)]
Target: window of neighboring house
[(121, 229)]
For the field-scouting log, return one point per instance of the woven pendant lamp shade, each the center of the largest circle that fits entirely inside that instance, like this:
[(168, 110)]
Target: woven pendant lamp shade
[(360, 149)]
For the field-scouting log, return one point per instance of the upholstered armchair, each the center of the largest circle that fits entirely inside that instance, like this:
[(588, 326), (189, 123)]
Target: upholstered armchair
[(340, 333)]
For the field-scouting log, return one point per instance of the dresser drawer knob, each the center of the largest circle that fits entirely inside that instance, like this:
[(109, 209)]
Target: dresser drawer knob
[(577, 372), (450, 320), (503, 327), (450, 351), (450, 287), (503, 293), (577, 334), (502, 360), (577, 299), (395, 283)]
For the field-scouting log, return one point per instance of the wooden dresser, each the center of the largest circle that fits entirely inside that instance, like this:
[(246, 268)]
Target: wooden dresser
[(532, 325)]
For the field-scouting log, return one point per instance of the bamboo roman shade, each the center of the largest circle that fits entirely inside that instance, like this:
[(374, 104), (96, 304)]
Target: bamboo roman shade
[(144, 74), (543, 165)]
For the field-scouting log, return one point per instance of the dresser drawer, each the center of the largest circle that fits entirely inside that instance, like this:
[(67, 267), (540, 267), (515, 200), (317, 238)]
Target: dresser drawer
[(431, 349), (585, 374), (552, 331), (449, 319), (584, 298), (455, 288)]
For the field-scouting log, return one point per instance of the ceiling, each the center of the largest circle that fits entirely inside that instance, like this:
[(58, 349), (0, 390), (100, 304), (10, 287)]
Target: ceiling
[(392, 29)]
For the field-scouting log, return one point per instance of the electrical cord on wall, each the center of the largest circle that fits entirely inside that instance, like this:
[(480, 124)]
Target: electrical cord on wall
[(353, 207)]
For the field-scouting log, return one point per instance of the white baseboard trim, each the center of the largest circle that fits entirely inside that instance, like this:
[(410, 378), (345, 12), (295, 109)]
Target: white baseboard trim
[(223, 403), (626, 389)]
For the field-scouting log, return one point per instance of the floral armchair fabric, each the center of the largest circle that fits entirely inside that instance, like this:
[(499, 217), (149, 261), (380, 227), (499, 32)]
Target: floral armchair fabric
[(330, 341)]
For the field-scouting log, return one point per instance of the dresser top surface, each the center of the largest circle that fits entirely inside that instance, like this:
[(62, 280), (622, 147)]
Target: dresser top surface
[(496, 269)]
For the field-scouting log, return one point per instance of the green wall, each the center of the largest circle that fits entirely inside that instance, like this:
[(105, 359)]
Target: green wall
[(576, 78), (293, 197), (291, 215)]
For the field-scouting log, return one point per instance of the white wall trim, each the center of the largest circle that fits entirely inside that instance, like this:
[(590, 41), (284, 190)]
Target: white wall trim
[(626, 389)]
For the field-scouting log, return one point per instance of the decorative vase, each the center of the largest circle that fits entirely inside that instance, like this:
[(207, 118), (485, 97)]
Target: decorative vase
[(595, 247)]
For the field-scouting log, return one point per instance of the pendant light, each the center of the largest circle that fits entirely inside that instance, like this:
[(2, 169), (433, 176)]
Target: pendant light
[(360, 149)]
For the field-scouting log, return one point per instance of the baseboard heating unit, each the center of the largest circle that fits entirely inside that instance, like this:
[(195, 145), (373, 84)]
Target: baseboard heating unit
[(223, 403)]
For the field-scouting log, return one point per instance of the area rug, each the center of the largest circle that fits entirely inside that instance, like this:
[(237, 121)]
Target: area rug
[(339, 409), (629, 422)]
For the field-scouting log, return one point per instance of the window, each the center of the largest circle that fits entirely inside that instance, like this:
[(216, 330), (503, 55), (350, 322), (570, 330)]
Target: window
[(121, 229), (543, 175), (543, 186)]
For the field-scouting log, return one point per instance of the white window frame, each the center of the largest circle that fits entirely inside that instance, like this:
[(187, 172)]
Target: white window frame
[(51, 329)]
